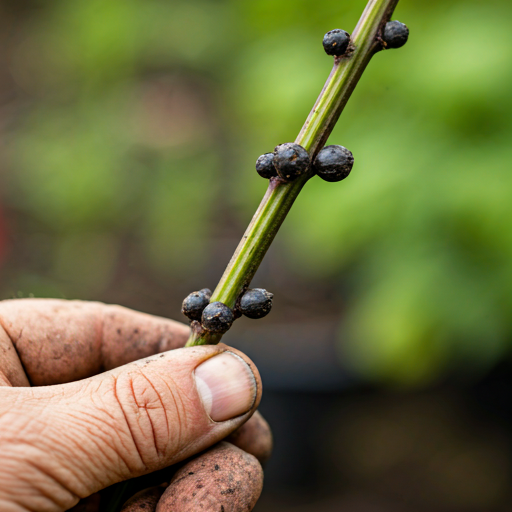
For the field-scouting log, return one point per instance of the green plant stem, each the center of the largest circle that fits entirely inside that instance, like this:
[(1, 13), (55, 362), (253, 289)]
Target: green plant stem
[(280, 195)]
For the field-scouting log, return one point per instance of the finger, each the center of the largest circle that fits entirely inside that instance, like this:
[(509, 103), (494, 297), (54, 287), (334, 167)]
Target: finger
[(144, 501), (254, 437), (73, 439), (224, 478), (62, 341)]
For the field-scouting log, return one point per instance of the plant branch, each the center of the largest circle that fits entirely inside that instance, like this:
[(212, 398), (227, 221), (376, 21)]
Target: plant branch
[(280, 195)]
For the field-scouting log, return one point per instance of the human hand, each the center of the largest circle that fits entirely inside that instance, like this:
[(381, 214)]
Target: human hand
[(78, 430)]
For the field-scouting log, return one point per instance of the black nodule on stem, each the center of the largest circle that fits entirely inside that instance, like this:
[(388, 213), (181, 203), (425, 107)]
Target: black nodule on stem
[(333, 163), (194, 303), (256, 303), (291, 160), (265, 166), (395, 34), (336, 42), (217, 317)]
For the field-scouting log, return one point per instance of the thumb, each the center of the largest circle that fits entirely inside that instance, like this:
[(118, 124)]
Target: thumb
[(77, 438)]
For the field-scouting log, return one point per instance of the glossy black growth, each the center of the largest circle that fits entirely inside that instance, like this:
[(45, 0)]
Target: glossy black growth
[(265, 166), (290, 160), (256, 303), (194, 303), (217, 317), (395, 34), (336, 42), (333, 163)]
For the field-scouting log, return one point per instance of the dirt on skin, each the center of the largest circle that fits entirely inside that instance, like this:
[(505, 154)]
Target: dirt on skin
[(224, 479)]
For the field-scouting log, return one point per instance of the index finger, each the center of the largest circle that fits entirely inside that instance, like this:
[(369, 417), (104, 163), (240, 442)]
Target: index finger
[(61, 341)]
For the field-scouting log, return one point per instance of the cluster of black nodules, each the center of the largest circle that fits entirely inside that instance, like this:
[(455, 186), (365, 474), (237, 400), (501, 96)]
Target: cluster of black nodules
[(333, 163), (289, 161), (216, 317), (337, 42)]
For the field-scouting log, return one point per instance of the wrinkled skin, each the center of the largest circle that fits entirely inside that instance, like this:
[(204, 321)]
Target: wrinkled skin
[(88, 422)]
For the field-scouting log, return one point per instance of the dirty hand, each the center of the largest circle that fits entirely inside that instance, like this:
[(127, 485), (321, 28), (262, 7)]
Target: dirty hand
[(78, 430)]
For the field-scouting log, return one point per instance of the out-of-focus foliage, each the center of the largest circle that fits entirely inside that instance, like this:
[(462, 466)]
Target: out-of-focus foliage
[(141, 117)]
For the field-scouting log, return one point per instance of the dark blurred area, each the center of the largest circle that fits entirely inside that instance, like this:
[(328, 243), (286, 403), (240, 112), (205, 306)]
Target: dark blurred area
[(129, 131)]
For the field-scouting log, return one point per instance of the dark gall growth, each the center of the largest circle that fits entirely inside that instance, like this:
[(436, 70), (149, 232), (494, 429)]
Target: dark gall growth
[(333, 163), (217, 317), (395, 34), (194, 303), (290, 160), (336, 42), (256, 303), (265, 166)]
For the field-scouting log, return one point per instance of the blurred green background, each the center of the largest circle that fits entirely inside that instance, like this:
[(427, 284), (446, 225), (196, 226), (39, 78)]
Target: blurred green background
[(129, 132)]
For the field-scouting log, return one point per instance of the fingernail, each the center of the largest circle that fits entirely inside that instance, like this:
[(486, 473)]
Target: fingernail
[(226, 385)]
